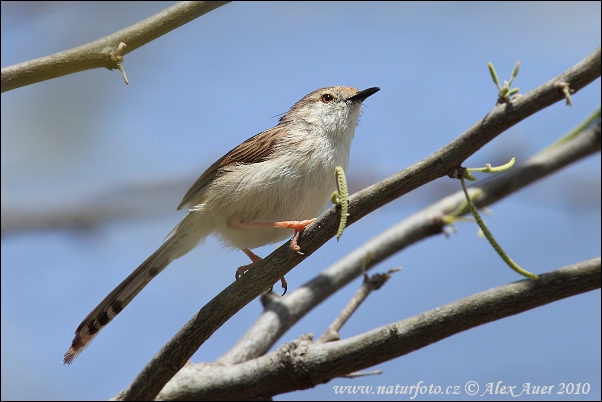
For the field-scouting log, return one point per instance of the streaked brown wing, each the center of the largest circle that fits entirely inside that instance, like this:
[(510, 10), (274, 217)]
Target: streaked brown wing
[(255, 149)]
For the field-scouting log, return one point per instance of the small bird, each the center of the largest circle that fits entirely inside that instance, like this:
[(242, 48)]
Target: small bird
[(263, 191)]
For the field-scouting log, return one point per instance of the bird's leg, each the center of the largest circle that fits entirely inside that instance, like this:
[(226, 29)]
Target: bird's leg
[(297, 225), (240, 271), (255, 258)]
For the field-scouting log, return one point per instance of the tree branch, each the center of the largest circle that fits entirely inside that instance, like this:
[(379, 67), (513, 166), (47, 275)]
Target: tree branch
[(282, 313), (99, 53), (302, 364), (370, 284), (121, 201), (179, 349)]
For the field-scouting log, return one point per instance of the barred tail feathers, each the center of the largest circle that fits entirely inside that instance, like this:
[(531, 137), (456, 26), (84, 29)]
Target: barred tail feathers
[(183, 238)]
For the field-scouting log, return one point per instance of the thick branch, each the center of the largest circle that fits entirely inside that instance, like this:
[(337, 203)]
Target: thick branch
[(179, 349), (282, 314), (98, 53), (303, 364)]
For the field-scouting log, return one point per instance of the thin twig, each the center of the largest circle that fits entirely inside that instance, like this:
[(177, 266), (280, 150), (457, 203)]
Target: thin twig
[(370, 283), (362, 374), (103, 52)]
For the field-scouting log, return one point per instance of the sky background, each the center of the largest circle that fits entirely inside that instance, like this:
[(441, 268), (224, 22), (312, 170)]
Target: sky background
[(87, 139)]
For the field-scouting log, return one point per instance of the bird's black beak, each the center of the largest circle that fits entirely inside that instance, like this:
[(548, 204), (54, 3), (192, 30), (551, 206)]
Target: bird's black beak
[(362, 95)]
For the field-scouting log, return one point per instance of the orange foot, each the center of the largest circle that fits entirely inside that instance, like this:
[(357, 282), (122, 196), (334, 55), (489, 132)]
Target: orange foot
[(240, 271), (297, 225)]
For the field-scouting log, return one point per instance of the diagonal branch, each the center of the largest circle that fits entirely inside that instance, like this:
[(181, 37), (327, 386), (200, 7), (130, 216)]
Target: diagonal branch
[(282, 314), (172, 357), (302, 364), (99, 53)]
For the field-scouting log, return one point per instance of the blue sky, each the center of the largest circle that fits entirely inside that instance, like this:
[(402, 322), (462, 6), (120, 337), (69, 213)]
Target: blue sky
[(195, 93)]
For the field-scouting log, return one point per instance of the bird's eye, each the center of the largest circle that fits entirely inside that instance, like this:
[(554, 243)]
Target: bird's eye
[(327, 98)]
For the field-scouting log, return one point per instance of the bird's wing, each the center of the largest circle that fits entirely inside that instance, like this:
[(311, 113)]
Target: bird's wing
[(255, 149)]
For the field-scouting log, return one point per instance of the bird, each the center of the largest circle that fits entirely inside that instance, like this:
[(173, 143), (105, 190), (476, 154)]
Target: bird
[(261, 192)]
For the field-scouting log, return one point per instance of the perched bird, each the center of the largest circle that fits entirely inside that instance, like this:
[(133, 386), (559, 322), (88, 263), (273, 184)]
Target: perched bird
[(261, 192)]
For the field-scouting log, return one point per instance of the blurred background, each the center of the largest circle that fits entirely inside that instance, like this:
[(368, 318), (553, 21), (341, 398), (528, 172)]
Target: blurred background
[(86, 145)]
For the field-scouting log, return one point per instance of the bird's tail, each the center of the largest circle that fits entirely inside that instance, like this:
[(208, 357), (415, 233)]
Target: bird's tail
[(183, 238)]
